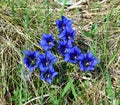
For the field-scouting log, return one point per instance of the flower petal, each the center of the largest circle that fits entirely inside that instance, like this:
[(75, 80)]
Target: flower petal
[(48, 80), (54, 74)]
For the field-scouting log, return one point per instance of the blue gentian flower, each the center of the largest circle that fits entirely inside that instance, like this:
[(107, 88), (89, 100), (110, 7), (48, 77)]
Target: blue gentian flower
[(72, 55), (31, 59), (63, 45), (47, 41), (46, 60), (48, 75), (87, 61), (68, 34), (61, 24)]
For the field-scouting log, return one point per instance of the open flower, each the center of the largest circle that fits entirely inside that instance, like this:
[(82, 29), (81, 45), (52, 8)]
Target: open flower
[(48, 75), (68, 34), (31, 59), (46, 60), (72, 55), (87, 61), (63, 45), (47, 41), (61, 24)]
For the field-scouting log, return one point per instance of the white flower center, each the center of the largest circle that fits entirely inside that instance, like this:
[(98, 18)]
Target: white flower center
[(87, 64)]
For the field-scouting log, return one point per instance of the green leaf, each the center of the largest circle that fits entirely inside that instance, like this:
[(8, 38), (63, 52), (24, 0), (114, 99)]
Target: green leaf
[(73, 90), (66, 88), (92, 31), (87, 33), (94, 28), (110, 91)]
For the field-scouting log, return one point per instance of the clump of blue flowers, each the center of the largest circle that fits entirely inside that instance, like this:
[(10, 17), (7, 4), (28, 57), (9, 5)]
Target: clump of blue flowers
[(71, 53)]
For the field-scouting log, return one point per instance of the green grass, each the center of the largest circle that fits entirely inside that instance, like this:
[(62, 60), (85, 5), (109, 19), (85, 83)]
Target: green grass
[(22, 23)]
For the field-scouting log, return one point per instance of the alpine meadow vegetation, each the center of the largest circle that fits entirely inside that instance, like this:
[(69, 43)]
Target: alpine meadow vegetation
[(60, 52)]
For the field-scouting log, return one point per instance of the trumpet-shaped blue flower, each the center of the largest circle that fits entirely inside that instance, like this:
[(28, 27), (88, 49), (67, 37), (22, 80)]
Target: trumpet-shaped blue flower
[(63, 45), (72, 55), (47, 41), (87, 61), (68, 34), (61, 24), (31, 59), (46, 60), (48, 75)]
